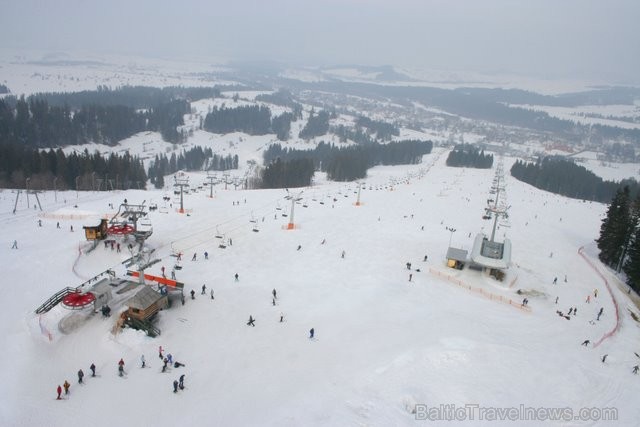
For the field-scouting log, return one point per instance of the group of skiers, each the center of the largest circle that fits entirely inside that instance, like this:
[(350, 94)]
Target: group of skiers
[(67, 385)]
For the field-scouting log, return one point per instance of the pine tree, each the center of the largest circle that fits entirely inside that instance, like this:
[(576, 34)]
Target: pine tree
[(614, 231)]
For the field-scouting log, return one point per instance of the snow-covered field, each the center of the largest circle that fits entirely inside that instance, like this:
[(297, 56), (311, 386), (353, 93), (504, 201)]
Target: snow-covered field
[(383, 344)]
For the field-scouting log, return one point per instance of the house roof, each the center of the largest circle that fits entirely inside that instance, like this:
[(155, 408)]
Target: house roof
[(145, 298), (457, 254)]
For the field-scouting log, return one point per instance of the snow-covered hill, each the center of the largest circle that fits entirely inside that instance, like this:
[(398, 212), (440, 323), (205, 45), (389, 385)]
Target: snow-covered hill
[(383, 343)]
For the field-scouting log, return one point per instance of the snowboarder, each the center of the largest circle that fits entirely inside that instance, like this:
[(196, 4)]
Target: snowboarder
[(274, 293), (600, 313), (193, 294), (177, 364), (93, 369), (181, 383), (59, 390), (635, 370), (251, 320), (604, 358), (194, 256), (144, 362), (204, 289), (586, 343), (311, 332), (175, 386), (80, 376), (66, 386), (121, 367), (236, 276), (212, 294), (206, 255), (15, 245)]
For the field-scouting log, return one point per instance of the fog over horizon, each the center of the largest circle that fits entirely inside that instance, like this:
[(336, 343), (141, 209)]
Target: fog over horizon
[(558, 39)]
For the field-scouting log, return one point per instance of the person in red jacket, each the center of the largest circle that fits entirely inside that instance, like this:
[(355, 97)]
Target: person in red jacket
[(59, 390)]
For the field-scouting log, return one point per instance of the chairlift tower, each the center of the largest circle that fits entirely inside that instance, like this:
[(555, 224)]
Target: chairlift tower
[(182, 183), (294, 199), (359, 189), (213, 180), (27, 192), (497, 210)]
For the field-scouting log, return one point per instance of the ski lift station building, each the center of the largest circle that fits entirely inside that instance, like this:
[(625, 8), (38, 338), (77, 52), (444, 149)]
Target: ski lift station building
[(491, 254)]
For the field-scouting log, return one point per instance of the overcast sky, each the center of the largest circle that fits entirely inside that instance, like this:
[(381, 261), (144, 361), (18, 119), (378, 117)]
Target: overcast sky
[(554, 38)]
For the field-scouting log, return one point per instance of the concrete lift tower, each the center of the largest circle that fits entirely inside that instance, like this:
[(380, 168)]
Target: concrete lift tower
[(182, 183), (294, 199)]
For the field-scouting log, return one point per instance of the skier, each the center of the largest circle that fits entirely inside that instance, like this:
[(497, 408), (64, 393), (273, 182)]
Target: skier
[(588, 299), (274, 293), (144, 362), (586, 343), (595, 293), (274, 302), (59, 390), (57, 224), (204, 289), (212, 294), (66, 386), (410, 276), (604, 358), (575, 310), (170, 358), (193, 293), (181, 383), (194, 256), (164, 366), (93, 369), (281, 317), (15, 245), (557, 299), (251, 320), (177, 364), (162, 269), (39, 223), (425, 258), (121, 367), (311, 332), (236, 276), (600, 313), (175, 386), (160, 352), (635, 370), (80, 376), (71, 228), (570, 310), (555, 280), (206, 255), (173, 274), (299, 247), (118, 247), (565, 278), (408, 266), (343, 254)]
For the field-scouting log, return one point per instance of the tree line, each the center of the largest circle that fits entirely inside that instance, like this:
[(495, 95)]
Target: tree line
[(83, 171), (384, 131), (466, 155), (287, 173), (250, 119), (619, 240), (564, 177), (195, 159), (350, 163)]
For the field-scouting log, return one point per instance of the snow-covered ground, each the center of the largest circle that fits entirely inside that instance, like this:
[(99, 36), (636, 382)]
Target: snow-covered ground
[(383, 344)]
